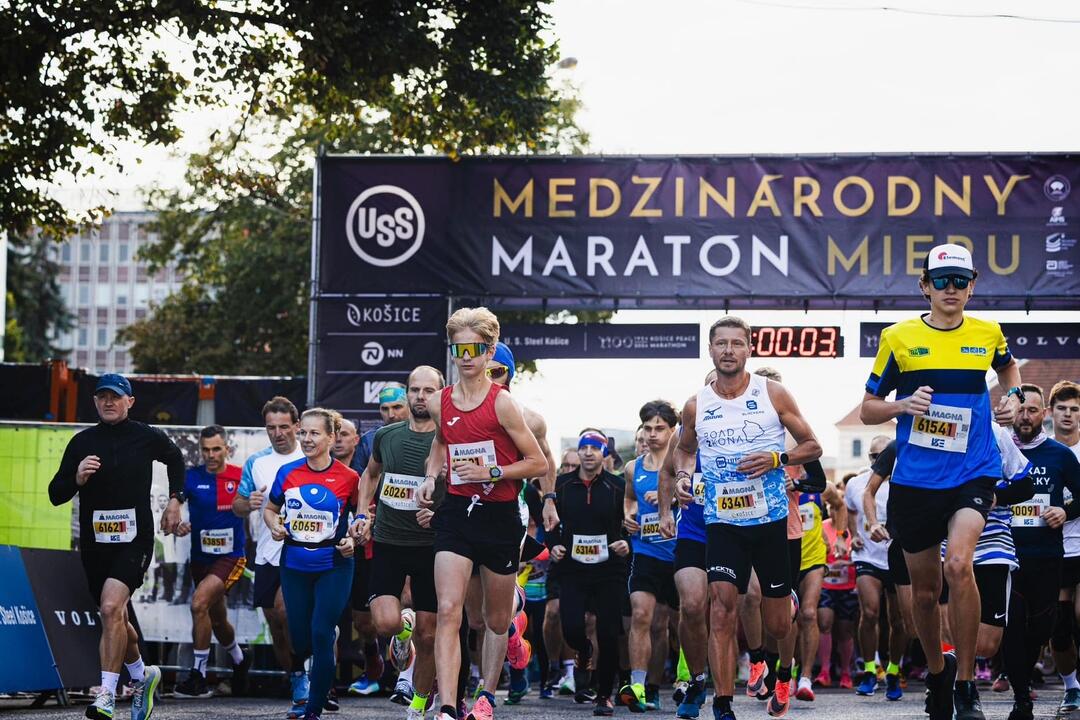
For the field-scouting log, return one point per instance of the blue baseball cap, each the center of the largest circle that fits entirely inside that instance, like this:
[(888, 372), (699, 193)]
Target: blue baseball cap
[(504, 356), (115, 382)]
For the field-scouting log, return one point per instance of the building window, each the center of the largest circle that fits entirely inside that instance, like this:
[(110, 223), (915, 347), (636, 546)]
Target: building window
[(83, 337), (121, 297), (84, 294), (84, 251), (103, 299), (856, 447), (122, 253), (103, 252), (102, 337), (65, 252)]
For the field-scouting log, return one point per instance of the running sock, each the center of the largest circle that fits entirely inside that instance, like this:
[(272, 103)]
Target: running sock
[(490, 697), (449, 710), (637, 677), (783, 674), (202, 658), (758, 655), (296, 663), (137, 670), (109, 680), (682, 673), (407, 674), (892, 669), (1070, 681), (772, 659), (235, 652), (722, 702), (418, 702), (870, 666)]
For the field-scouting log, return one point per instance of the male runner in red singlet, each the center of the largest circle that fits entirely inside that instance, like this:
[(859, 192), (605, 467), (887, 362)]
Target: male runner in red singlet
[(487, 447)]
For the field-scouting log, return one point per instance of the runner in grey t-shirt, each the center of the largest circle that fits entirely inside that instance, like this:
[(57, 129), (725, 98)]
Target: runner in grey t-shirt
[(402, 538)]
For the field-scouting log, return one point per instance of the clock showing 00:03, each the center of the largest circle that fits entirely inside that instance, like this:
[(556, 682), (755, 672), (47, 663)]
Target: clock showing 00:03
[(811, 341)]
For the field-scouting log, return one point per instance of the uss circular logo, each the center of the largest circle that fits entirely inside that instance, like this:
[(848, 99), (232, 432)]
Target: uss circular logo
[(385, 225)]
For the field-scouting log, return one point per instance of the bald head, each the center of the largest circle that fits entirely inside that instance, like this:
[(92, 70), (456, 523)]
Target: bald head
[(879, 443)]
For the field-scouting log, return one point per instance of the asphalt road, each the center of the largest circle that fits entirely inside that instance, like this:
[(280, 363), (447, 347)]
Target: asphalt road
[(830, 704)]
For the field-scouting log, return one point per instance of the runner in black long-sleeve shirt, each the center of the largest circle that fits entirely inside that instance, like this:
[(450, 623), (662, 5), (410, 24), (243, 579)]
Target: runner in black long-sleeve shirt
[(591, 552), (110, 466)]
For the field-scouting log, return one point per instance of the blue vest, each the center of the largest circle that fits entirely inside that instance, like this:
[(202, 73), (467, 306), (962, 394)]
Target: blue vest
[(649, 541)]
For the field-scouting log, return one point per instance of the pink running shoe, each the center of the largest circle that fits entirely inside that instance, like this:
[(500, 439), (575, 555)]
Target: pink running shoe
[(518, 649), (481, 710)]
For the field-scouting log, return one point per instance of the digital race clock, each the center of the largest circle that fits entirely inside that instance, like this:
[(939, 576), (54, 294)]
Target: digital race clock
[(813, 341)]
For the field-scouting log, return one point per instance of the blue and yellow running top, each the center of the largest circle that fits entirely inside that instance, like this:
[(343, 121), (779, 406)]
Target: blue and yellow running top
[(954, 442)]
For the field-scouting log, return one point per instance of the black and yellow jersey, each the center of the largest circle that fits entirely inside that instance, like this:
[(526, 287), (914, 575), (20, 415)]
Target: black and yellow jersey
[(954, 442)]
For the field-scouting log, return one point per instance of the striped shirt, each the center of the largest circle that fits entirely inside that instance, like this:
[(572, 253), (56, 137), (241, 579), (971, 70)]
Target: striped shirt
[(996, 546)]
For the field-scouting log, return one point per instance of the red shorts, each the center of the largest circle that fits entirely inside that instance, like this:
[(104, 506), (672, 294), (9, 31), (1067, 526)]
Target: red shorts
[(229, 569)]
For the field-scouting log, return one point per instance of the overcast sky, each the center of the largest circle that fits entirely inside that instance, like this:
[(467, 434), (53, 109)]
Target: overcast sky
[(742, 76)]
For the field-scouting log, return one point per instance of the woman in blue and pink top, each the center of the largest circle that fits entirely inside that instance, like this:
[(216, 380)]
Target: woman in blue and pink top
[(308, 508)]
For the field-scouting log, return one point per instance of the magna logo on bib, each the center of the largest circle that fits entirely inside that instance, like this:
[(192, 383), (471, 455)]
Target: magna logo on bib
[(385, 225)]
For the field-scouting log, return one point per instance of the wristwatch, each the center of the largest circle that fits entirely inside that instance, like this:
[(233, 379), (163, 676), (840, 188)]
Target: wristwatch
[(1018, 393), (496, 472), (549, 496), (783, 458)]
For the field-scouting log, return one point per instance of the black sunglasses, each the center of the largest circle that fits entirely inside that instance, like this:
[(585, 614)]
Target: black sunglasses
[(958, 281), (874, 456)]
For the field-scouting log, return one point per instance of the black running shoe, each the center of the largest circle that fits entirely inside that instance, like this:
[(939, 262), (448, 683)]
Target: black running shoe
[(966, 703), (193, 687), (940, 700)]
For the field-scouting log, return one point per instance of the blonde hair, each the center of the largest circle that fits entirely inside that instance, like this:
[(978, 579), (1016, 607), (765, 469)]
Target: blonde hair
[(332, 418), (480, 320)]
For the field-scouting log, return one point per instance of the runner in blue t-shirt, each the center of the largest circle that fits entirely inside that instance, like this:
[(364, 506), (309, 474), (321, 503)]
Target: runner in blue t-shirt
[(217, 560), (651, 582), (691, 580)]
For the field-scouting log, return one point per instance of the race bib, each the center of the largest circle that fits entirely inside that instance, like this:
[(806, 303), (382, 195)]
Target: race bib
[(589, 549), (481, 453), (399, 491), (216, 542), (807, 514), (1029, 514), (115, 526), (310, 526), (650, 528), (698, 486), (837, 573), (743, 500), (942, 428)]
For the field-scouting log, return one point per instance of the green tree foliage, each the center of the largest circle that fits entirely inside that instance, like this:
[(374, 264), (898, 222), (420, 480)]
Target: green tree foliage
[(78, 77), (35, 308), (240, 231)]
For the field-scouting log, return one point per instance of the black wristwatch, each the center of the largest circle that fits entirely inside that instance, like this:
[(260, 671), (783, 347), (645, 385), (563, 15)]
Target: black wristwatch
[(549, 496), (783, 458), (496, 472), (179, 496)]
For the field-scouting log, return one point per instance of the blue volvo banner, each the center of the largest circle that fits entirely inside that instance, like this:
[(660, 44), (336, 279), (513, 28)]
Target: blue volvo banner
[(1027, 341), (29, 665)]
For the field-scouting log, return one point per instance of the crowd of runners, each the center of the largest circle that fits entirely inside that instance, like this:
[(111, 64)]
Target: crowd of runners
[(471, 559)]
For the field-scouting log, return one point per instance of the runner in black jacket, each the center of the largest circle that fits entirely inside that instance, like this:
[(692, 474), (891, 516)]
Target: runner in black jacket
[(591, 552), (110, 466)]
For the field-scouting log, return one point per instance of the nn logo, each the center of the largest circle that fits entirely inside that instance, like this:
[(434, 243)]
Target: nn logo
[(374, 353), (918, 351), (385, 225)]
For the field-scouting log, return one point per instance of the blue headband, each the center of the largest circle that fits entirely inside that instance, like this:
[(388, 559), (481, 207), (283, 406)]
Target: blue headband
[(595, 440), (391, 394), (504, 356)]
